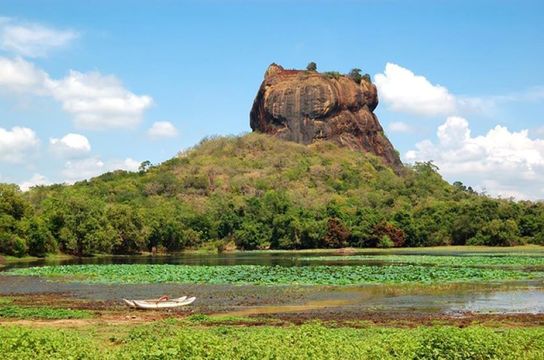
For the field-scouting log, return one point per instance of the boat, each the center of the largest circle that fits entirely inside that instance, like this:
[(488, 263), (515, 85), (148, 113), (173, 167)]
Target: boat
[(161, 303)]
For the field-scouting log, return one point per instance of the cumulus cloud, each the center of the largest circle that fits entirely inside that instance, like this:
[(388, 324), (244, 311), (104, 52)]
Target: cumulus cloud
[(502, 162), (31, 39), (399, 126), (95, 101), (404, 91), (20, 76), (71, 145), (16, 144), (162, 129), (76, 170), (35, 180)]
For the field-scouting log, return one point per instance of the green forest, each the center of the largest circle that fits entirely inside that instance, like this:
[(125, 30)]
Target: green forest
[(258, 192)]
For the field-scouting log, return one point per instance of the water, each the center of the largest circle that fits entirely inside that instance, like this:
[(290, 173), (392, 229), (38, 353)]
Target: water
[(494, 298)]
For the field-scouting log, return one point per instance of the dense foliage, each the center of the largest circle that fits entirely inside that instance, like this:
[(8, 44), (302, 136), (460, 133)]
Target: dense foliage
[(258, 192), (315, 341), (274, 275)]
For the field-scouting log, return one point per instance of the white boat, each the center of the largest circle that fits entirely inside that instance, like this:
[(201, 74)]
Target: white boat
[(160, 303)]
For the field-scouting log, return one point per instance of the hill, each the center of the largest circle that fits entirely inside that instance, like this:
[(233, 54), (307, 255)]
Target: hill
[(257, 191)]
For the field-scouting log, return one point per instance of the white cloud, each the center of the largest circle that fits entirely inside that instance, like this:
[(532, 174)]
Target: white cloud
[(35, 180), (98, 102), (128, 164), (399, 126), (162, 129), (76, 170), (18, 75), (16, 144), (71, 145), (504, 163), (404, 91), (31, 39), (94, 100)]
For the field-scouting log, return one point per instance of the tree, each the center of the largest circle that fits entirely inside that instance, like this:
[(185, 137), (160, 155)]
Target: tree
[(337, 234), (312, 66), (81, 225), (367, 78), (498, 233), (127, 226), (355, 75), (12, 202), (144, 166), (394, 236), (39, 238), (252, 235)]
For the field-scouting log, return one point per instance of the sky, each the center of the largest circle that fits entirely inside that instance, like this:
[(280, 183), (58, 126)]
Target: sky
[(87, 88)]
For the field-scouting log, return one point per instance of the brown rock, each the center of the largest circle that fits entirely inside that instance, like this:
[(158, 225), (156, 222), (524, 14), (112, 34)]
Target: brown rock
[(306, 106)]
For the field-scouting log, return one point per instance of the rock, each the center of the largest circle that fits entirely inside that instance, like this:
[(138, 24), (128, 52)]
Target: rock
[(307, 106)]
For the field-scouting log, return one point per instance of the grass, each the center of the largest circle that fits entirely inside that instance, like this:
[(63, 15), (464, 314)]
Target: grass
[(7, 259), (19, 312), (8, 310), (471, 260), (273, 275), (168, 340)]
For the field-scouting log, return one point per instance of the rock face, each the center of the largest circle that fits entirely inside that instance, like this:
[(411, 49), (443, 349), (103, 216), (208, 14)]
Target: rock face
[(306, 106)]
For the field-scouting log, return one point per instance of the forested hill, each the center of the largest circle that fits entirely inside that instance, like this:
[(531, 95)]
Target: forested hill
[(256, 191)]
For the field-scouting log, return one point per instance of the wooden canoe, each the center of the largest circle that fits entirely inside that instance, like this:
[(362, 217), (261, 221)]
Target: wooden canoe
[(145, 304), (176, 300)]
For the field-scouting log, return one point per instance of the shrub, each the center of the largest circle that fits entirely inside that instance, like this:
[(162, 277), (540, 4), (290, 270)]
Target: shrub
[(333, 74), (385, 242), (355, 75), (337, 234), (312, 66), (12, 244)]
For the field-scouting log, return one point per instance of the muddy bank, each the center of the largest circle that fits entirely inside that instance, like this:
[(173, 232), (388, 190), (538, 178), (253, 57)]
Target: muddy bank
[(296, 302)]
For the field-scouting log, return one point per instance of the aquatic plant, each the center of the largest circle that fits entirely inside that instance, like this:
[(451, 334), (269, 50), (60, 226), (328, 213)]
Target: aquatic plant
[(494, 260), (272, 275)]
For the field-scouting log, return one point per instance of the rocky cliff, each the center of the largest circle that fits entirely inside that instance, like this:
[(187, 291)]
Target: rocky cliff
[(306, 106)]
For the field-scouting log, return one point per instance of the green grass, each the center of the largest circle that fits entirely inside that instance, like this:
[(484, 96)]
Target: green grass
[(165, 340), (19, 312), (471, 260), (272, 275)]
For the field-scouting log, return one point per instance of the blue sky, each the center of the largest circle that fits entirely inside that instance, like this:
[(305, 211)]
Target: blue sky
[(464, 80)]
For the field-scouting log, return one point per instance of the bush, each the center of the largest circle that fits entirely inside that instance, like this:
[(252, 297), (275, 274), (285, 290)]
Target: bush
[(465, 344), (355, 75), (337, 234), (12, 244), (312, 66), (385, 242), (333, 74), (497, 233), (39, 238), (395, 235), (252, 236)]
